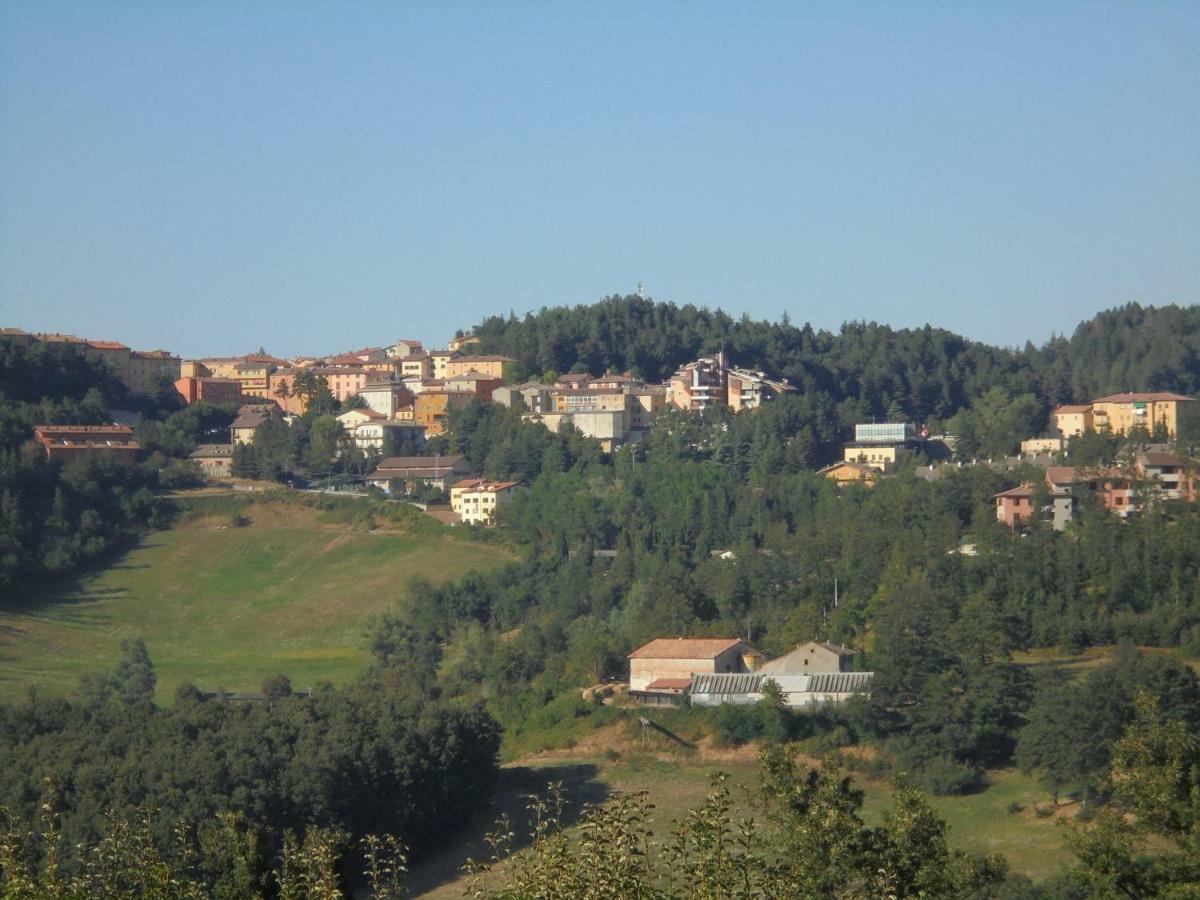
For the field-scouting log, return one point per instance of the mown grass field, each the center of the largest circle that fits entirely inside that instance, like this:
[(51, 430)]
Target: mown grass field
[(225, 606)]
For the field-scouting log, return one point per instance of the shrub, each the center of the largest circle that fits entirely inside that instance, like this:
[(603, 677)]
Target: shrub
[(944, 775)]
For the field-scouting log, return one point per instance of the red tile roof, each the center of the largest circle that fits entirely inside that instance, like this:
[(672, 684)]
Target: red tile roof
[(1134, 397), (686, 648)]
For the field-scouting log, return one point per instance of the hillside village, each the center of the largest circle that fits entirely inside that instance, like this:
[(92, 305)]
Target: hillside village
[(390, 400)]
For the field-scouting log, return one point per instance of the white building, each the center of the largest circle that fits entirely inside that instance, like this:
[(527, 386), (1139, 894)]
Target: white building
[(476, 500), (381, 435)]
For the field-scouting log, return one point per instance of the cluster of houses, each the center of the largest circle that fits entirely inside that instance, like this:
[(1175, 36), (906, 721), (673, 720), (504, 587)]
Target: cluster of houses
[(1142, 474), (406, 392), (134, 368), (1147, 474), (715, 671)]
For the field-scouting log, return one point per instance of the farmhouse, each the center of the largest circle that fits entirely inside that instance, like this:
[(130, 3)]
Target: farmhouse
[(680, 658), (814, 656)]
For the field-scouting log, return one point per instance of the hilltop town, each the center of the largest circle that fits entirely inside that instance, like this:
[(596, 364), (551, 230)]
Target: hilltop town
[(390, 401)]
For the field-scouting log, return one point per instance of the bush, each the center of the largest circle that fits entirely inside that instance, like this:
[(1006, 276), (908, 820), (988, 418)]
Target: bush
[(944, 776)]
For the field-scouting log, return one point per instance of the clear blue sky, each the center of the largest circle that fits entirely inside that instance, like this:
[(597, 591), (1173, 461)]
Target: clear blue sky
[(212, 176)]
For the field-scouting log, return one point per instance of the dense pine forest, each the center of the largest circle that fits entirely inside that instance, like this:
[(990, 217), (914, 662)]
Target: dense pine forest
[(715, 525)]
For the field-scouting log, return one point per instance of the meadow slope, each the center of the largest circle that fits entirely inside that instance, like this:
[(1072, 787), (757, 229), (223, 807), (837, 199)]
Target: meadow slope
[(226, 606)]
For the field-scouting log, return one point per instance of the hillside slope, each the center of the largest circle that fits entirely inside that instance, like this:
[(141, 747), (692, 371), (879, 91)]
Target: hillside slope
[(225, 606)]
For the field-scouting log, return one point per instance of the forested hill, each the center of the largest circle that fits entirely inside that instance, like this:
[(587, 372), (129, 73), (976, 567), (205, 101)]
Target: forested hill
[(923, 374)]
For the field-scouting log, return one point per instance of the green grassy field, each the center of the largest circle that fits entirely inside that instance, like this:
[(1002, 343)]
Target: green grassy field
[(226, 606), (677, 782)]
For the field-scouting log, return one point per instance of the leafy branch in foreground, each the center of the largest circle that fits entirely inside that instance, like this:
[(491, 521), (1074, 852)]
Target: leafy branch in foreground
[(816, 845)]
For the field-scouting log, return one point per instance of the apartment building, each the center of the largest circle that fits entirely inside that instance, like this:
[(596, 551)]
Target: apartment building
[(214, 390), (439, 362), (883, 446), (430, 408), (477, 501), (416, 365), (477, 383), (385, 396), (69, 442), (1072, 420), (1121, 413), (487, 365)]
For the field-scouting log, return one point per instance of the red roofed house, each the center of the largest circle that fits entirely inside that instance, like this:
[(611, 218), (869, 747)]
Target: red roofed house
[(67, 442), (666, 662), (476, 500)]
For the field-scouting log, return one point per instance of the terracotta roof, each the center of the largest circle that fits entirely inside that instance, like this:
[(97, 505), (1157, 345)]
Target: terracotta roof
[(1022, 490), (835, 648), (1159, 458), (471, 359), (1061, 474), (686, 648), (575, 378), (1134, 397), (483, 485), (86, 437), (861, 468), (420, 462), (1073, 408), (365, 411), (471, 375), (84, 429), (587, 392), (107, 345)]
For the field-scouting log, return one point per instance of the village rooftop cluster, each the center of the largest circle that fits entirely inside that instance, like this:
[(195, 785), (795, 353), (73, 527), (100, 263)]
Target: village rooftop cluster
[(401, 394)]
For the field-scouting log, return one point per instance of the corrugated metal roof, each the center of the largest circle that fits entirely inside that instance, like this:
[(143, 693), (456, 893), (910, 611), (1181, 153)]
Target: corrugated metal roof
[(727, 683), (839, 682)]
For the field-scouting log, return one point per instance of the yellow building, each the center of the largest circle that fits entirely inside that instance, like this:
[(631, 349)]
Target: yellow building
[(1121, 413), (430, 409), (440, 362), (486, 365), (1072, 421), (883, 457), (461, 343), (606, 399), (848, 472), (417, 365)]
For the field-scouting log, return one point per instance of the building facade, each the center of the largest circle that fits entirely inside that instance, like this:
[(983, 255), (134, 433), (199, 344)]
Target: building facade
[(478, 501), (69, 442)]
